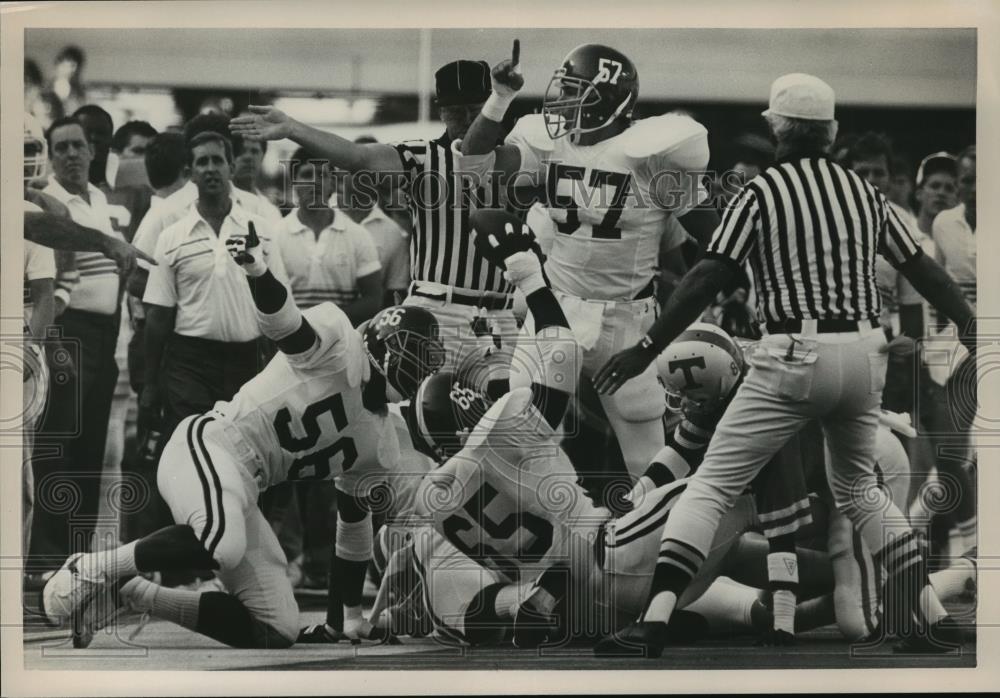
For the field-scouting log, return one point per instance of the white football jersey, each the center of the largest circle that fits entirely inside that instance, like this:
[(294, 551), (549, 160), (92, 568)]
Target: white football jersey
[(611, 201), (512, 501), (303, 414)]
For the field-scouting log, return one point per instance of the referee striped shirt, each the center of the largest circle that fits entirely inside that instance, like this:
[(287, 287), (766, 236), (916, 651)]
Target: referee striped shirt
[(442, 250), (810, 230)]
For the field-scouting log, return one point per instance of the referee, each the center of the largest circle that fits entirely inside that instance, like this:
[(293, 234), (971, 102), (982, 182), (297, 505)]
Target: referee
[(810, 231), (471, 299)]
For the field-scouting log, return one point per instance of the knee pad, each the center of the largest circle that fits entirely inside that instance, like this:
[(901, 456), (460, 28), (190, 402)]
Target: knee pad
[(355, 539)]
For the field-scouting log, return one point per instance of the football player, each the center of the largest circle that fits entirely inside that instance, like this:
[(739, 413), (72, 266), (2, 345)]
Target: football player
[(611, 187), (316, 411), (512, 529)]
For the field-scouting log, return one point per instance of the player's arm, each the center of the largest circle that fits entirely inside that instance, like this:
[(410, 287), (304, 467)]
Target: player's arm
[(61, 233), (700, 222), (681, 456), (270, 124), (279, 318), (723, 260), (479, 150), (510, 244)]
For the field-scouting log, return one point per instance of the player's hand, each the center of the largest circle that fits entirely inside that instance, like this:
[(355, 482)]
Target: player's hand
[(262, 124), (506, 75), (623, 366), (248, 252), (126, 256)]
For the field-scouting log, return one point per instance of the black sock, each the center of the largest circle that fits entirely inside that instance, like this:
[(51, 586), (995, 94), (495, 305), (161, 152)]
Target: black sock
[(173, 548)]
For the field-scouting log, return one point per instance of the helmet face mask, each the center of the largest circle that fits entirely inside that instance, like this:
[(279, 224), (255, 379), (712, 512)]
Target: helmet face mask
[(595, 86), (35, 149), (403, 344), (443, 413)]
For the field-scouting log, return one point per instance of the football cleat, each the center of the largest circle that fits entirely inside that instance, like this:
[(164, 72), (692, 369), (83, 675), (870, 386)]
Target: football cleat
[(776, 638), (639, 639), (320, 634), (536, 620), (65, 593), (109, 604), (364, 631)]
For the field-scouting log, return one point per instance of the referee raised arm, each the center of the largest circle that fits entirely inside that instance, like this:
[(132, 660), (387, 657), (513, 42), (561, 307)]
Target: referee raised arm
[(470, 297), (810, 230)]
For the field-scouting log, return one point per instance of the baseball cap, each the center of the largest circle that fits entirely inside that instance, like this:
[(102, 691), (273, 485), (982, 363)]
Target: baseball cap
[(463, 82), (801, 96), (934, 163)]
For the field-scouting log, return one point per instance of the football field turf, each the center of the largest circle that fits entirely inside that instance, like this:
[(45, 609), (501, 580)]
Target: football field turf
[(164, 646)]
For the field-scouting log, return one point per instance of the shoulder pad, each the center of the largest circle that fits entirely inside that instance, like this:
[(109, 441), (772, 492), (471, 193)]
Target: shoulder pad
[(505, 419), (531, 129), (338, 340), (662, 135)]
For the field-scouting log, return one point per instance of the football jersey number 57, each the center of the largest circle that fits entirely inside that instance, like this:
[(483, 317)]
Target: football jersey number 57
[(620, 182), (315, 465)]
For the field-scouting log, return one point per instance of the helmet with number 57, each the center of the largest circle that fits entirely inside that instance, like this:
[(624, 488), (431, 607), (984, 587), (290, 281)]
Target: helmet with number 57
[(403, 343), (443, 412), (595, 86)]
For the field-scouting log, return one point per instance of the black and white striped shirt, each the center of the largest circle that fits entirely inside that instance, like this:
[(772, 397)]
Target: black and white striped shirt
[(810, 230), (442, 249)]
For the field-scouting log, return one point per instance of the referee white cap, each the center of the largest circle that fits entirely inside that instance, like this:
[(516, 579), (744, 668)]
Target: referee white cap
[(801, 96)]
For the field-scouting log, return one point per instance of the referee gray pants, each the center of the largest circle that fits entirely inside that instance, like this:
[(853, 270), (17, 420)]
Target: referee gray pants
[(837, 378)]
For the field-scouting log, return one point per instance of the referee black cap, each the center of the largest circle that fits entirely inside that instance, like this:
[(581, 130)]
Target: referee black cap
[(463, 82)]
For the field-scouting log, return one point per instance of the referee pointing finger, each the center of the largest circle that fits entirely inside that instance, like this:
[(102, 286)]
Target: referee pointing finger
[(809, 230)]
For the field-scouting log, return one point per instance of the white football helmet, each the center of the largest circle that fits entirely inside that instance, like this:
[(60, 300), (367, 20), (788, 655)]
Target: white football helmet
[(700, 368), (35, 149)]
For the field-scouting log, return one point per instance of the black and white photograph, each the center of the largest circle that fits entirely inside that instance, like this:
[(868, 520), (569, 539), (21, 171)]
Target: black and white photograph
[(368, 344)]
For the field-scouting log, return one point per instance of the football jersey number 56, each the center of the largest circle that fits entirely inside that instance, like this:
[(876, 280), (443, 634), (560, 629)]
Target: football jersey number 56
[(594, 196), (315, 465)]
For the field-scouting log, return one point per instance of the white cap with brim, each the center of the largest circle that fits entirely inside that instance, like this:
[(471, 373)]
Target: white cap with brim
[(801, 96)]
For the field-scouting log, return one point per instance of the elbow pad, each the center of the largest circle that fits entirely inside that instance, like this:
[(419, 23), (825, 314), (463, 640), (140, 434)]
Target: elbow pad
[(474, 165)]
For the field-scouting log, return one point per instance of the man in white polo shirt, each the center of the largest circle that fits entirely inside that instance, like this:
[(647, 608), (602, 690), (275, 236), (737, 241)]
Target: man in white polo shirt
[(76, 421), (201, 330), (327, 255)]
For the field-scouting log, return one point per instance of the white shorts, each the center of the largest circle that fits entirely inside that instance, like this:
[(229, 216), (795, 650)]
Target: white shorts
[(208, 488)]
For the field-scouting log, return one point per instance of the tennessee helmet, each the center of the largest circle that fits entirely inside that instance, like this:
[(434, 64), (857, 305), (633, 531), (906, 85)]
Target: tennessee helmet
[(700, 368), (594, 86), (403, 343), (35, 149), (445, 408)]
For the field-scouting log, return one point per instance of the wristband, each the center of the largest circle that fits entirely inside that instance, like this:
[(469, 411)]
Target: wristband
[(496, 106)]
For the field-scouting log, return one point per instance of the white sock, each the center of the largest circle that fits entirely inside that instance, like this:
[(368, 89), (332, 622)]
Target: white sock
[(354, 619), (726, 605), (112, 563), (949, 583), (176, 605), (930, 605), (661, 607), (784, 610)]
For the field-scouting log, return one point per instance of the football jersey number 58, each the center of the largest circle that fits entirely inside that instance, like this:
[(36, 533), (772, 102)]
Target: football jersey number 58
[(315, 465)]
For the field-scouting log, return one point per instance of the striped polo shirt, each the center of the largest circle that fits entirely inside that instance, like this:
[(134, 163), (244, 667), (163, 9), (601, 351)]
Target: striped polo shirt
[(195, 273), (98, 285), (810, 230), (442, 250)]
